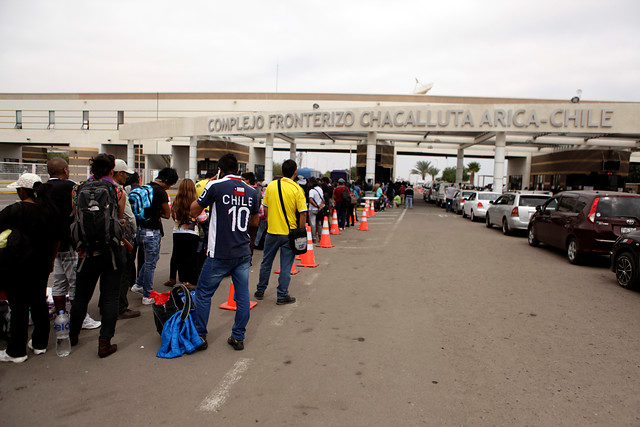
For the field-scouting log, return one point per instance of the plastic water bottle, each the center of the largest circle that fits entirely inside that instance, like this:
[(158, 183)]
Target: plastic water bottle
[(61, 325)]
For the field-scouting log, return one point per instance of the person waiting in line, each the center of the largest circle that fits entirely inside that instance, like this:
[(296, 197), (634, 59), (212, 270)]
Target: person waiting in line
[(408, 197), (341, 203), (316, 208), (234, 222), (390, 193), (25, 277), (397, 201), (350, 218), (64, 268), (277, 239), (450, 193), (185, 234)]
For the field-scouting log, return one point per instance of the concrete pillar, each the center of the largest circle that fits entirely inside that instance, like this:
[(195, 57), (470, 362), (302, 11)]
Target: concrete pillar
[(370, 172), (459, 166), (526, 176), (131, 153), (147, 169), (292, 152), (498, 168), (193, 158), (268, 158)]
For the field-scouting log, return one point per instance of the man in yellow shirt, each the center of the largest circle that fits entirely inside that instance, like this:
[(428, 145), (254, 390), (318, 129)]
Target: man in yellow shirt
[(278, 231)]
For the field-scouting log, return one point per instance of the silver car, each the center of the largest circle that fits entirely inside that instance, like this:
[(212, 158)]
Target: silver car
[(512, 211), (459, 199), (477, 204)]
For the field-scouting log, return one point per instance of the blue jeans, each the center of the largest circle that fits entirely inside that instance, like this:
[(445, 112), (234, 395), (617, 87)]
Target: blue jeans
[(213, 271), (272, 243), (408, 201), (149, 242), (449, 205)]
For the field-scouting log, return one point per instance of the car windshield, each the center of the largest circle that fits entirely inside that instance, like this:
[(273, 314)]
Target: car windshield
[(488, 196), (619, 207), (532, 200)]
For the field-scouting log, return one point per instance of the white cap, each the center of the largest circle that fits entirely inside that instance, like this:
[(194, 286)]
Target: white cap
[(121, 165), (26, 180)]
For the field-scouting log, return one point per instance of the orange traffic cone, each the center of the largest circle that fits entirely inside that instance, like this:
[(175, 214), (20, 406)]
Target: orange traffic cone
[(308, 258), (372, 209), (325, 239), (364, 225), (293, 269), (231, 302), (334, 223)]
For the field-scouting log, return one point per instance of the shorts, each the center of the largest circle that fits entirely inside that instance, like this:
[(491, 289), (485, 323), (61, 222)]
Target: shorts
[(64, 274)]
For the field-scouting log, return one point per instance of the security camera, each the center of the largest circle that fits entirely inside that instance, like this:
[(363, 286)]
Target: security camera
[(316, 106), (576, 98)]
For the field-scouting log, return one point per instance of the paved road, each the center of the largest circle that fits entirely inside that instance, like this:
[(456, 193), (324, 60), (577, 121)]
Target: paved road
[(426, 319)]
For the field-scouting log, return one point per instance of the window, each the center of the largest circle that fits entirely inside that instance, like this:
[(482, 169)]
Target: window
[(551, 206), (567, 204), (52, 120), (532, 200), (18, 119), (120, 118), (85, 120)]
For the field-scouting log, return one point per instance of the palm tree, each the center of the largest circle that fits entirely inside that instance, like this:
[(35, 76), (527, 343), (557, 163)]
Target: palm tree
[(433, 171), (421, 168), (472, 168)]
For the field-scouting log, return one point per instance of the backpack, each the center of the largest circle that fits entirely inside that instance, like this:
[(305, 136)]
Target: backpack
[(354, 198), (96, 225), (140, 199), (346, 195)]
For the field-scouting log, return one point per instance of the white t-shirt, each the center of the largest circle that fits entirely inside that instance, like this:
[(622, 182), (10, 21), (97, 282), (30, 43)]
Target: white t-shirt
[(317, 195)]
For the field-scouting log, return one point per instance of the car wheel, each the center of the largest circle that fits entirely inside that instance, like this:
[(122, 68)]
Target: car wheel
[(505, 227), (626, 270), (531, 237), (487, 222), (572, 251), (473, 217)]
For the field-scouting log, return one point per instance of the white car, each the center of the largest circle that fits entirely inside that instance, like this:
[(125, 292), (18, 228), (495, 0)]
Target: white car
[(512, 211), (477, 204), (459, 199)]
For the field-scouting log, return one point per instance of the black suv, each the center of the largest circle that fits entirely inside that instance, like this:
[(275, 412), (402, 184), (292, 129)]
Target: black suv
[(584, 222)]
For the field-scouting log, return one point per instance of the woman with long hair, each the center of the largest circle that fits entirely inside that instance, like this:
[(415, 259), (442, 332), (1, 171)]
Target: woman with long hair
[(185, 234), (36, 226)]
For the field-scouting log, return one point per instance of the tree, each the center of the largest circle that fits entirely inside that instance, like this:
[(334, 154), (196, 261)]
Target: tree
[(634, 173), (421, 168), (449, 175), (277, 169), (473, 168), (353, 173), (433, 171)]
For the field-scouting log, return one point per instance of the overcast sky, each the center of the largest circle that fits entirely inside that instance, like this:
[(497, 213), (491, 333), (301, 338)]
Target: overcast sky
[(534, 49)]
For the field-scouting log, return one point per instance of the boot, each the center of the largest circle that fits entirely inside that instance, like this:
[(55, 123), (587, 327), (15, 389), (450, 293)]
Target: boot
[(105, 348)]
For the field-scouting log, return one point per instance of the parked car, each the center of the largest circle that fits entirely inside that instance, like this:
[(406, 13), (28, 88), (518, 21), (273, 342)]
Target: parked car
[(584, 222), (477, 204), (430, 191), (512, 211), (459, 199), (625, 259), (440, 195)]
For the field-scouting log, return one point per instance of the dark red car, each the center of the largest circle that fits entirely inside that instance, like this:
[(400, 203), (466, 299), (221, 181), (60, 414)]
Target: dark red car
[(584, 222)]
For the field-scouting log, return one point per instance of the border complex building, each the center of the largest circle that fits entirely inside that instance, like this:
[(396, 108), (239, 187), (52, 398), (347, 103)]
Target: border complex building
[(549, 143)]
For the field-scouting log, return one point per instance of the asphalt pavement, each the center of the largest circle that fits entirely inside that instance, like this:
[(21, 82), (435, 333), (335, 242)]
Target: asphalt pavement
[(427, 319)]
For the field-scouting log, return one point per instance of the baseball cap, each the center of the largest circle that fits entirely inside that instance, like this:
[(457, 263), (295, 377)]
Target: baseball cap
[(302, 182), (26, 180), (341, 181), (121, 165)]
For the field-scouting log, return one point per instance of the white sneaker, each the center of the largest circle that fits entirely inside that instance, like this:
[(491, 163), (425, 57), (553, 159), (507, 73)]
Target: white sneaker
[(137, 289), (89, 323), (35, 350), (4, 357), (148, 301)]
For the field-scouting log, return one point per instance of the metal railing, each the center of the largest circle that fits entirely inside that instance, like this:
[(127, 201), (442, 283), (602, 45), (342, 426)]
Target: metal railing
[(11, 171)]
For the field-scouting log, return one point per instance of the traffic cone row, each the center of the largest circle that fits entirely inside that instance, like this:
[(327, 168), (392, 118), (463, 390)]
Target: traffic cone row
[(308, 259)]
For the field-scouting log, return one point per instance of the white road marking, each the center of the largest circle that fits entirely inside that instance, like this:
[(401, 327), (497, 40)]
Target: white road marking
[(393, 229), (214, 401)]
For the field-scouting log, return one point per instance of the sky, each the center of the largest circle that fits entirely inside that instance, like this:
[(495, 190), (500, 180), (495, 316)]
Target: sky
[(542, 49)]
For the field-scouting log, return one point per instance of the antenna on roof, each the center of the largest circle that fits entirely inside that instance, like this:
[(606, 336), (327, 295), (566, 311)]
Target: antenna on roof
[(422, 89)]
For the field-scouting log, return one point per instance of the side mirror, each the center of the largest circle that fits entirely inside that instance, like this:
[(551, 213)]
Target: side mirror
[(493, 202), (539, 208)]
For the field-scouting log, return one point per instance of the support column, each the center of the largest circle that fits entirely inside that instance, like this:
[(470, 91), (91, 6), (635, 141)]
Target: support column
[(147, 169), (193, 158), (292, 152), (370, 172), (131, 153), (526, 176), (459, 166), (498, 167), (268, 158)]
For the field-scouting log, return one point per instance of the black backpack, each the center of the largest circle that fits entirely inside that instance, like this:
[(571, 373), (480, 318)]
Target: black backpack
[(96, 225)]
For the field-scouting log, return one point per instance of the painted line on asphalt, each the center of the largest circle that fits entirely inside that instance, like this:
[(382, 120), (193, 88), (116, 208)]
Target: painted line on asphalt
[(214, 401), (393, 229)]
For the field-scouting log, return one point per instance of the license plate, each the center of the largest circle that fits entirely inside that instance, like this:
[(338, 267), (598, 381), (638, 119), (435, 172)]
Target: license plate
[(625, 230)]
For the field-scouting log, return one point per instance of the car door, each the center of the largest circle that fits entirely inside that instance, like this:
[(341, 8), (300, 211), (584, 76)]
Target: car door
[(542, 222), (563, 220), (505, 207), (495, 210)]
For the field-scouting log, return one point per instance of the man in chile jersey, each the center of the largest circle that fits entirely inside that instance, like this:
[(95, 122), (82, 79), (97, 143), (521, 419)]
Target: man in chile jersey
[(232, 229)]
